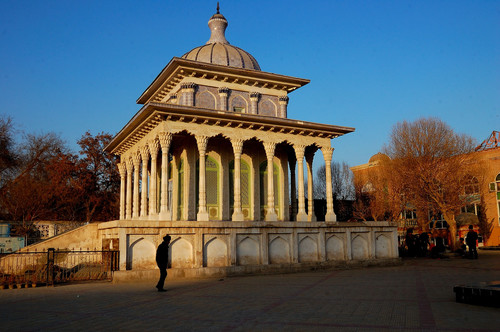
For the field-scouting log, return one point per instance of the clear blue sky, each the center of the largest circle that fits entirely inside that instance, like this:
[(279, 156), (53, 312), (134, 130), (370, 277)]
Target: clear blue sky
[(72, 66)]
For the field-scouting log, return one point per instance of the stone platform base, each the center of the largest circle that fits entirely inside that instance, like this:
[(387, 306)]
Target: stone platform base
[(484, 293), (229, 271)]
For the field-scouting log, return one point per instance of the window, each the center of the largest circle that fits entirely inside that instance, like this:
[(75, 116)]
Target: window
[(239, 109)]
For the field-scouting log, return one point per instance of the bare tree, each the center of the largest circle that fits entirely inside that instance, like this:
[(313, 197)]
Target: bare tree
[(8, 156), (432, 160), (342, 182)]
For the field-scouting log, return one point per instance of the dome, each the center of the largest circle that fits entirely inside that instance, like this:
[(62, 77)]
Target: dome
[(218, 50), (379, 157)]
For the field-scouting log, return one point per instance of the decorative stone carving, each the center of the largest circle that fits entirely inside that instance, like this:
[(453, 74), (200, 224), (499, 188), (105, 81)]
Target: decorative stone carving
[(299, 153), (165, 138), (327, 154), (202, 205), (254, 99), (223, 94), (283, 100), (237, 148), (122, 168)]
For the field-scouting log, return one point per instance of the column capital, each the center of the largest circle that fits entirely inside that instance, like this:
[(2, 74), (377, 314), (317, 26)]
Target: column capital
[(254, 95), (202, 141), (299, 151), (144, 151), (165, 139), (237, 145), (223, 91), (283, 100), (153, 145), (130, 165), (122, 168), (270, 147), (136, 159), (327, 153)]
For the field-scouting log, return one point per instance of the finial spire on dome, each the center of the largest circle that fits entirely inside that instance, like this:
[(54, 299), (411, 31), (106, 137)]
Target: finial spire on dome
[(217, 25)]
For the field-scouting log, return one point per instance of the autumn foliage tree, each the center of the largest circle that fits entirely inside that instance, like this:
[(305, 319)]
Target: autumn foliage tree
[(41, 179), (432, 161)]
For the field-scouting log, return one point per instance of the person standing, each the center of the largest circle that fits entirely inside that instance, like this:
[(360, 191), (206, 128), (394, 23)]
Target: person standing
[(471, 242), (162, 261)]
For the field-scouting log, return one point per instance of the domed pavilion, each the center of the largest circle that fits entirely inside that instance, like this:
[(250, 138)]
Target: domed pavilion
[(212, 159)]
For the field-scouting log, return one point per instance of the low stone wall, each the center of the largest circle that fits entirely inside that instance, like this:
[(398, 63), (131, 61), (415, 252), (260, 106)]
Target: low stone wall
[(84, 237), (151, 276), (249, 246)]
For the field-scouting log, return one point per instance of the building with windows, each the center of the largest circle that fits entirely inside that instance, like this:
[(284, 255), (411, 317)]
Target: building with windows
[(484, 190)]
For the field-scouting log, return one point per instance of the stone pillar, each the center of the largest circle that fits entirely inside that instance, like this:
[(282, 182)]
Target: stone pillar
[(327, 154), (223, 93), (299, 153), (122, 168), (254, 99), (237, 148), (144, 183), (292, 160), (136, 159), (165, 139), (271, 212), (202, 203), (188, 93), (283, 100), (153, 178), (128, 208), (310, 188)]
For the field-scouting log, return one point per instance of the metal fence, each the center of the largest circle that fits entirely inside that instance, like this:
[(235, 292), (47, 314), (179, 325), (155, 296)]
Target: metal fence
[(25, 269)]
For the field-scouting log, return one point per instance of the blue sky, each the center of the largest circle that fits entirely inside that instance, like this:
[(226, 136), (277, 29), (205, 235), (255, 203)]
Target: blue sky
[(72, 66)]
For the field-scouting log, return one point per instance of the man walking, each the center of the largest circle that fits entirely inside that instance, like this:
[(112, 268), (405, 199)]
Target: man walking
[(162, 261), (471, 242)]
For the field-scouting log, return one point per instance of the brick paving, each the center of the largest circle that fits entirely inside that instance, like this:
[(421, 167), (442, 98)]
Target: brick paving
[(415, 296)]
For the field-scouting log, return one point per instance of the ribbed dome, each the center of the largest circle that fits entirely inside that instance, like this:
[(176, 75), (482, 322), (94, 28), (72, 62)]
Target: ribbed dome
[(218, 50), (379, 157)]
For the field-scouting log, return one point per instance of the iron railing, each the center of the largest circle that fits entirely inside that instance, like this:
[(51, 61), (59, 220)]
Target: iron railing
[(57, 266)]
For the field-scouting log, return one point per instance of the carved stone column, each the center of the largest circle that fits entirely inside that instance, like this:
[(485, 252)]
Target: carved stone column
[(283, 100), (130, 169), (254, 99), (223, 93), (165, 139), (202, 203), (136, 159), (153, 178), (144, 183), (237, 148), (122, 168), (188, 93), (310, 188), (299, 152), (327, 154), (292, 160), (271, 212)]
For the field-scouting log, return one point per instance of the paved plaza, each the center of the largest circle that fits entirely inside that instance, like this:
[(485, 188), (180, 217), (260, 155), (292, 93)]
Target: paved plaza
[(415, 296)]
